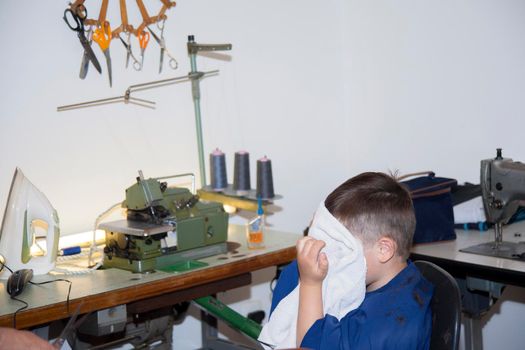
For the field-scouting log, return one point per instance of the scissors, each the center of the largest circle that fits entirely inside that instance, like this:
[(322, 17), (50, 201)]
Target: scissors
[(84, 65), (136, 64), (162, 43), (102, 36), (71, 326), (76, 23), (143, 42)]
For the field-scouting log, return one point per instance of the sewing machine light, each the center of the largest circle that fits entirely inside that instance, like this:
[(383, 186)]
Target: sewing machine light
[(230, 209)]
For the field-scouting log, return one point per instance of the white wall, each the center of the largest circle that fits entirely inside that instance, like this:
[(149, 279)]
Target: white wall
[(325, 89), (276, 97), (434, 84)]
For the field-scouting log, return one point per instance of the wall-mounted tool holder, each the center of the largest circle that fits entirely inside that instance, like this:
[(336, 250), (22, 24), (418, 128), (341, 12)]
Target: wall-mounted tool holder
[(103, 32)]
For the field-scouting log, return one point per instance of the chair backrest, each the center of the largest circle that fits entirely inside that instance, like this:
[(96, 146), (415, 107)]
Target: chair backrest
[(446, 307)]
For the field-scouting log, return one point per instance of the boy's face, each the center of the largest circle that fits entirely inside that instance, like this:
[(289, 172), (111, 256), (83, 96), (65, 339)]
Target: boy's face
[(382, 262)]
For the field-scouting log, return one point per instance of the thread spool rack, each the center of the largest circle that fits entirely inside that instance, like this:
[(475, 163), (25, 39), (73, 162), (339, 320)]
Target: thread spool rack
[(239, 194)]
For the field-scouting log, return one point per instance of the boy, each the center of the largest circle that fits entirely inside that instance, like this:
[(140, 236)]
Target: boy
[(395, 313)]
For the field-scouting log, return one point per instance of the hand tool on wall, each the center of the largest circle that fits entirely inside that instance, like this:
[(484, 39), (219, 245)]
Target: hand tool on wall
[(125, 27), (84, 64), (75, 21), (129, 53), (143, 42), (162, 43), (102, 37), (99, 30)]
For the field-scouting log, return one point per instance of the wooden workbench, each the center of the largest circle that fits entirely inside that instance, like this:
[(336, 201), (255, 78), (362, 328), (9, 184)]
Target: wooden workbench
[(106, 288)]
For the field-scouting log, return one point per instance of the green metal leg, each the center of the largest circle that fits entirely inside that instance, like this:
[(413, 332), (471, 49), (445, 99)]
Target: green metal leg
[(229, 316)]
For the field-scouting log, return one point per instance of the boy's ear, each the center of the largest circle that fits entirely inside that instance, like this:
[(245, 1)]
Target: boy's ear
[(387, 248)]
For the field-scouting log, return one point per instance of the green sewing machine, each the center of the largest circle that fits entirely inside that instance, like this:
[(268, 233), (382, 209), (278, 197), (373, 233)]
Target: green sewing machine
[(166, 228)]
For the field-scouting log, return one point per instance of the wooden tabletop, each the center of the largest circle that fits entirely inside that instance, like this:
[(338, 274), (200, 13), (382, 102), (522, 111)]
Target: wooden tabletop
[(106, 288)]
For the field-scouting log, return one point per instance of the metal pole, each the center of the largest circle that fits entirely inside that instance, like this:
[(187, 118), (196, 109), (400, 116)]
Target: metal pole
[(195, 77), (196, 93)]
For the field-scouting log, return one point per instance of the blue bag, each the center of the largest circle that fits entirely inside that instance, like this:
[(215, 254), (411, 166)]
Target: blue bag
[(432, 200)]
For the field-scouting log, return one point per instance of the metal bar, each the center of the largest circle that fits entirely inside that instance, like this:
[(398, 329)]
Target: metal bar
[(196, 93), (141, 100), (192, 175), (473, 332), (153, 84), (91, 103), (194, 47), (94, 103), (144, 86), (141, 104)]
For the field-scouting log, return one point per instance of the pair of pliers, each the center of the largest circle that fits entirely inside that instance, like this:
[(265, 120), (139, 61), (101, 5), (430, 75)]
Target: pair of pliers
[(102, 36)]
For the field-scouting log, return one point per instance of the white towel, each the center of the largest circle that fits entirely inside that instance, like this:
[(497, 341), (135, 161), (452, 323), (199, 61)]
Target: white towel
[(343, 288)]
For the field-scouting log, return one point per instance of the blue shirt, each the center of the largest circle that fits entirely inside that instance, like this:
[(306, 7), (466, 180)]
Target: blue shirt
[(395, 316)]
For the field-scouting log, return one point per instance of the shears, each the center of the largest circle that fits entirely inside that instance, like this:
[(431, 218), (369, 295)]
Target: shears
[(136, 64), (84, 65), (162, 43), (143, 42), (102, 36), (75, 22)]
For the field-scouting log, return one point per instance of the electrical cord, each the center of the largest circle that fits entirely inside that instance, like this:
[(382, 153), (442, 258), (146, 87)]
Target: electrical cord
[(26, 305), (2, 265), (57, 280), (19, 309)]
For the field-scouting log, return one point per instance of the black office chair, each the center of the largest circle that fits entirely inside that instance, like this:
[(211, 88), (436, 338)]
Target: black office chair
[(446, 307)]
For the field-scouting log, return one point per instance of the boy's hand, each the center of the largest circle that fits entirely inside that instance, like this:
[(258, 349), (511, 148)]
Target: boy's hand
[(313, 265)]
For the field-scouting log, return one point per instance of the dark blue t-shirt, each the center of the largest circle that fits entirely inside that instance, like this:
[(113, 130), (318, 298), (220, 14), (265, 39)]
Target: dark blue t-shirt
[(395, 316)]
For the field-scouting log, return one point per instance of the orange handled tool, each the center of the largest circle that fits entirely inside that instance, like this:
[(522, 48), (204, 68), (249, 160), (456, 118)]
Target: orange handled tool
[(102, 36), (143, 42)]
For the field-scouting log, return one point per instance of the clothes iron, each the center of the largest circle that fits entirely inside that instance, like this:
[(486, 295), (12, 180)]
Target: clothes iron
[(28, 215)]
